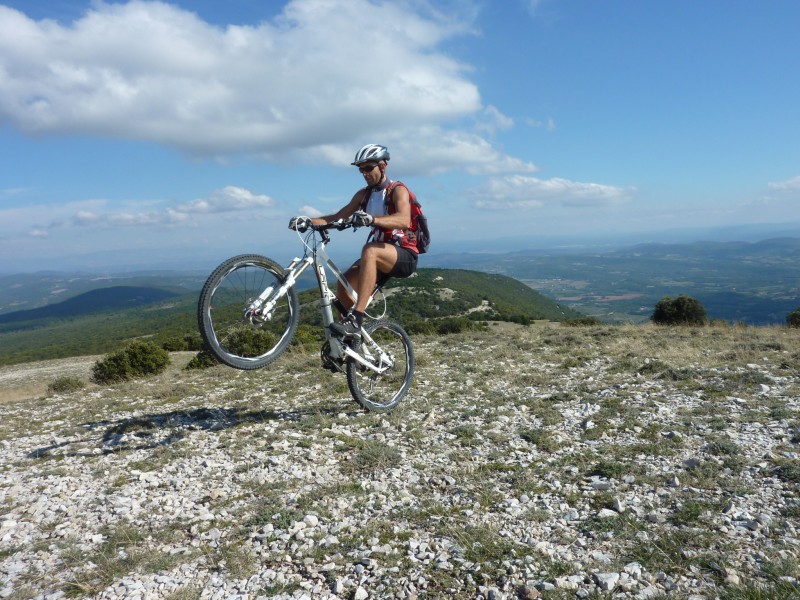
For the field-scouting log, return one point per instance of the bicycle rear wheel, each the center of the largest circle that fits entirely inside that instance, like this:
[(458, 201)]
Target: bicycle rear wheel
[(235, 338), (392, 347)]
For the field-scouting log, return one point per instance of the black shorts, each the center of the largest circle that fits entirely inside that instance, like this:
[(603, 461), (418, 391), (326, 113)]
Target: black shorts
[(405, 266)]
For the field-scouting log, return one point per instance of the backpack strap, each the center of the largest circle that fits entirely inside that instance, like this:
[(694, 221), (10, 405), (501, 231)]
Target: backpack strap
[(365, 199), (390, 188)]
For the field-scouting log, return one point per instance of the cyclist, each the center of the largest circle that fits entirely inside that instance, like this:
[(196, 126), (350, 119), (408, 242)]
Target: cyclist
[(389, 251)]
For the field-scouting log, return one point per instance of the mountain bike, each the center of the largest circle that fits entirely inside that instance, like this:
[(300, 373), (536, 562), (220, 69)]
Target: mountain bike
[(249, 310)]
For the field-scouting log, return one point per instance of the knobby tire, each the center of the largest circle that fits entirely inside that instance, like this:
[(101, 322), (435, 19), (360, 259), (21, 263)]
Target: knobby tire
[(382, 392)]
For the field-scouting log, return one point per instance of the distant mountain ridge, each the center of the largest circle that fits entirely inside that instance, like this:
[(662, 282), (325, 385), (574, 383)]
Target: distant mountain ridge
[(25, 291), (774, 246), (101, 299), (752, 282)]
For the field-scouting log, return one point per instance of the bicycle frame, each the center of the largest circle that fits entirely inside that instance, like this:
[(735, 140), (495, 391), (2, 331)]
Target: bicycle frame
[(262, 306)]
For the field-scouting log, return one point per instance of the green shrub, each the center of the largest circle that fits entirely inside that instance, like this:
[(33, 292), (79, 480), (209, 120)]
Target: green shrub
[(306, 335), (456, 325), (682, 310), (65, 384), (187, 342), (584, 322), (793, 320), (421, 328), (174, 344), (137, 359), (193, 341), (246, 341), (444, 326), (203, 360)]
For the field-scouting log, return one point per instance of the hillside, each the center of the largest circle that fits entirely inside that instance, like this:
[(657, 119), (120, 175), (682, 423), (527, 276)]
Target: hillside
[(435, 292), (98, 300), (549, 462), (25, 291), (95, 333), (67, 329)]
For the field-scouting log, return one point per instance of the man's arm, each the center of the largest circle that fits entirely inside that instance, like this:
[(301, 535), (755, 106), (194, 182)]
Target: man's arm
[(344, 212), (401, 219)]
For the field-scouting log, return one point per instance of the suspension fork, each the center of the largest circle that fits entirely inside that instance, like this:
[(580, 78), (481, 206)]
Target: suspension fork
[(263, 304)]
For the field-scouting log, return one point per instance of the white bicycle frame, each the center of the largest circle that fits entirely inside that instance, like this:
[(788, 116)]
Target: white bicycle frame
[(262, 306)]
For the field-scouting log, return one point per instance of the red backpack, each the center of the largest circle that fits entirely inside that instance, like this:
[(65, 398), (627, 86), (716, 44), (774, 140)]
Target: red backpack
[(419, 222)]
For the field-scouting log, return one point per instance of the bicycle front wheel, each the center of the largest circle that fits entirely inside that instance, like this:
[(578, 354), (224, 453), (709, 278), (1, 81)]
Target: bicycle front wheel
[(391, 349), (233, 335)]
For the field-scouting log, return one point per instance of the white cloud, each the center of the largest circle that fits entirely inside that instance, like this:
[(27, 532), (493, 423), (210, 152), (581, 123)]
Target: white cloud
[(86, 217), (319, 77), (434, 150), (228, 199), (100, 214), (309, 211), (524, 192), (784, 186), (492, 120)]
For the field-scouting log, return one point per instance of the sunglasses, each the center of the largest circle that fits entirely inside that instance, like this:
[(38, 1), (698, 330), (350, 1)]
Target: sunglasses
[(367, 169)]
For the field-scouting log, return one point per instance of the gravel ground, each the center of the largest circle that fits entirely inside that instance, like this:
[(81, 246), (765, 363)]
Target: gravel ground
[(546, 462)]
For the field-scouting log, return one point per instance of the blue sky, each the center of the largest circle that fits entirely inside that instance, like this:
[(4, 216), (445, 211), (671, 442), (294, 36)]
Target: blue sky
[(138, 134)]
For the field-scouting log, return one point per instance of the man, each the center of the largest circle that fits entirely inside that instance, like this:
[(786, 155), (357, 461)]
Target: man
[(391, 250)]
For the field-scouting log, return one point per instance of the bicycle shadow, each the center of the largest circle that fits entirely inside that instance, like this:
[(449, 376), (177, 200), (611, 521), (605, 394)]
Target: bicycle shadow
[(147, 432)]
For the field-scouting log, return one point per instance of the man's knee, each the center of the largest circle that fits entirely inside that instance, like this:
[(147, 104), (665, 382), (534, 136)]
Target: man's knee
[(370, 252), (383, 256)]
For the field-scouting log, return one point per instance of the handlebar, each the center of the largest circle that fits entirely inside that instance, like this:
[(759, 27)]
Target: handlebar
[(340, 224), (322, 230)]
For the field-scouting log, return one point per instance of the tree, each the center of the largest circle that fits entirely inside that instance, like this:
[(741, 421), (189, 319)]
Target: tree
[(682, 310), (793, 320)]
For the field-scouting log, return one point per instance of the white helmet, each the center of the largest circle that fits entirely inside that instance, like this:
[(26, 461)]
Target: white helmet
[(372, 152)]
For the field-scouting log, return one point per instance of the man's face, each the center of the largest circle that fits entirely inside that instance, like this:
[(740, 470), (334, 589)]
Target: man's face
[(371, 172)]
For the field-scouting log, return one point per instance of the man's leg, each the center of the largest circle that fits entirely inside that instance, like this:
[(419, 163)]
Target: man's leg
[(351, 275), (375, 257)]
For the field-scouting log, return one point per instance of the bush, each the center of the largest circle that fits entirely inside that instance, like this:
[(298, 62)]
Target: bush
[(421, 328), (450, 325), (306, 335), (682, 310), (190, 341), (65, 384), (174, 344), (203, 360), (137, 359), (583, 322), (793, 320), (246, 341)]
